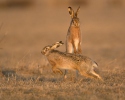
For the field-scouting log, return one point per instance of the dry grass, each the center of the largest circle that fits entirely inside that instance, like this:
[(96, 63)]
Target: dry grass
[(25, 72)]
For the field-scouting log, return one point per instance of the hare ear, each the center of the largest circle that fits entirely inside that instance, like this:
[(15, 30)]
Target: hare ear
[(57, 44), (61, 43), (71, 12), (77, 11)]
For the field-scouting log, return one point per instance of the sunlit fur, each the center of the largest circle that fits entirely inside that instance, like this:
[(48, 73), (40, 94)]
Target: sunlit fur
[(62, 60), (73, 38)]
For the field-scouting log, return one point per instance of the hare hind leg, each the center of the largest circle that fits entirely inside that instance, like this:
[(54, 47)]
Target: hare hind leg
[(92, 74), (85, 74), (95, 75)]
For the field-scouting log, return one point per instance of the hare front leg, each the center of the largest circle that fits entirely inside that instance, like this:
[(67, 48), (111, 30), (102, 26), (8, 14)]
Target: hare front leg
[(54, 67), (56, 70), (69, 47), (76, 45)]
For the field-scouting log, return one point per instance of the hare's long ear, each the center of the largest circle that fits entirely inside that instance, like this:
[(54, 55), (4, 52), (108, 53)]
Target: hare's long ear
[(77, 11), (61, 43), (71, 12), (57, 44)]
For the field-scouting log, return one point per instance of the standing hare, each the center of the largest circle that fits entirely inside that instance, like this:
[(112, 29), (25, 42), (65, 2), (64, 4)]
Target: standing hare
[(61, 60), (73, 38)]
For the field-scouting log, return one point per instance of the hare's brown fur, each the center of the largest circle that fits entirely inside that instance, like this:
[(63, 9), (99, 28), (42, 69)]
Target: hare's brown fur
[(73, 38), (62, 60)]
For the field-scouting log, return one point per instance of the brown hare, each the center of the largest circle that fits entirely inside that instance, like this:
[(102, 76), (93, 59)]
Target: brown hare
[(73, 38), (62, 60)]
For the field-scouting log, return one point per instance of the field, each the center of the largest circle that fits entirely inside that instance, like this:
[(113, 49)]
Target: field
[(26, 28)]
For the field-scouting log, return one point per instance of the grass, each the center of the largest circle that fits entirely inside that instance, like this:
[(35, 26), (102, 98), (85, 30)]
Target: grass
[(27, 83)]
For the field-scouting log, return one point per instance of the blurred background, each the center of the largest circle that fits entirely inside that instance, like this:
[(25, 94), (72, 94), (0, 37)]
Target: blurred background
[(26, 26)]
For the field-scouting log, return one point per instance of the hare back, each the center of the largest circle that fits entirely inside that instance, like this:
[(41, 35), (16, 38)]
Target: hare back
[(61, 60), (68, 60)]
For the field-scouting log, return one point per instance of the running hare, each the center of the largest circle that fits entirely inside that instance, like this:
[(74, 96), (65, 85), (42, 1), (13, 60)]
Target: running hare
[(61, 60), (73, 38)]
